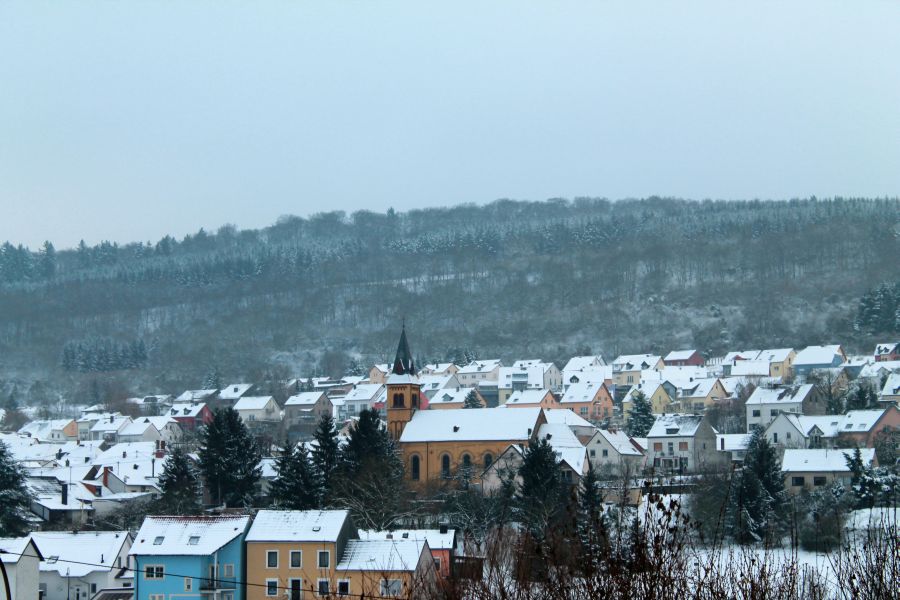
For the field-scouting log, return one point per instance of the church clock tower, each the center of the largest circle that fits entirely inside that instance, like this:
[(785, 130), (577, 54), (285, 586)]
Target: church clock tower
[(403, 390)]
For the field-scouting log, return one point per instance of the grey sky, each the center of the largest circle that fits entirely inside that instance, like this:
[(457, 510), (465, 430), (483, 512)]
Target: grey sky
[(127, 120)]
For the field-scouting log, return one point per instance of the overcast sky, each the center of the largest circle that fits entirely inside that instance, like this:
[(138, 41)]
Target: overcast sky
[(127, 120)]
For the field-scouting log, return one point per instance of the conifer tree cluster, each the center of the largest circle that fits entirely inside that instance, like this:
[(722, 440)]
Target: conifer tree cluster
[(15, 498), (472, 400), (179, 484), (103, 354), (230, 459), (879, 310), (758, 503)]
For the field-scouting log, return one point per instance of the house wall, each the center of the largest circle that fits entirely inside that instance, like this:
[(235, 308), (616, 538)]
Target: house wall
[(420, 583), (198, 570), (613, 461), (786, 434), (268, 413), (829, 477), (765, 412), (258, 573), (890, 420), (23, 576), (430, 455), (782, 368), (700, 453)]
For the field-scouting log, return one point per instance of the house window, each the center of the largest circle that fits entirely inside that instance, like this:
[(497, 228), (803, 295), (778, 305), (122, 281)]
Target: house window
[(445, 466), (398, 401), (488, 460), (188, 584), (593, 453), (324, 559), (93, 588), (296, 589), (391, 587), (788, 435), (296, 559), (466, 462), (157, 597), (272, 559), (154, 572), (605, 453), (343, 587), (415, 401), (657, 446), (323, 587), (774, 412), (797, 481), (682, 446), (437, 564), (193, 540), (158, 540), (414, 467), (774, 437), (818, 481), (271, 587), (630, 379), (583, 410)]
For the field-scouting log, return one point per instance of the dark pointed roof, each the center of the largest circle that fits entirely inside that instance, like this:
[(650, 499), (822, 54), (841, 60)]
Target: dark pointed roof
[(403, 363)]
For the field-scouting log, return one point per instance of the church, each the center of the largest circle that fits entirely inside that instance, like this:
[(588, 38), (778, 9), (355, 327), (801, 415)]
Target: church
[(440, 444)]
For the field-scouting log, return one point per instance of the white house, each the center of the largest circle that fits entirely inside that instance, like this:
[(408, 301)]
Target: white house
[(78, 565), (615, 451), (477, 371), (234, 392), (53, 430), (584, 369), (20, 559), (109, 427), (627, 368), (432, 384), (733, 444), (890, 393), (447, 368), (527, 375), (766, 403), (258, 409), (140, 431), (683, 444), (363, 396)]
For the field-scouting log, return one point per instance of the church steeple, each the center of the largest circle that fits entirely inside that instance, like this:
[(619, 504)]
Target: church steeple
[(403, 362), (403, 391)]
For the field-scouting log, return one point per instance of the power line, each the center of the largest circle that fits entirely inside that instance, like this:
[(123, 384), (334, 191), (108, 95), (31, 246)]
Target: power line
[(311, 589)]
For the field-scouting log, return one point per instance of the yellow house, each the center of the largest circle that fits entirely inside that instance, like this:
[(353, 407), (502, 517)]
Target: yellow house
[(627, 367), (660, 401), (780, 360), (294, 554), (700, 394), (531, 399)]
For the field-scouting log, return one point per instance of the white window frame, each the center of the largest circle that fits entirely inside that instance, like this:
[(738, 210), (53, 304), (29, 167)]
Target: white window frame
[(228, 570), (189, 584), (269, 582), (270, 553), (338, 590), (319, 582), (290, 587), (319, 559), (157, 597), (291, 559), (161, 569)]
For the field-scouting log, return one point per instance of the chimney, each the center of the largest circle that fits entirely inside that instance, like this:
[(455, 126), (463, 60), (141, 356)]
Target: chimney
[(722, 445), (111, 419), (124, 454), (65, 494), (443, 529), (106, 471)]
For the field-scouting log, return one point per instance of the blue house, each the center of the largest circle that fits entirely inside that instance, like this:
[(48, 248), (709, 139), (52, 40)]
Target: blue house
[(190, 557)]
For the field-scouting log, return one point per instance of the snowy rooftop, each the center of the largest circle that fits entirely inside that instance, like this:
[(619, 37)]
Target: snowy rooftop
[(879, 368), (566, 416), (560, 435), (297, 525), (72, 550), (730, 442), (186, 409), (382, 555), (675, 425), (533, 397), (679, 355), (826, 460), (435, 382), (365, 392), (112, 424), (437, 367), (453, 396), (635, 362), (892, 385), (817, 355), (780, 395), (436, 540), (181, 536), (856, 421), (234, 391), (620, 441), (40, 430), (699, 388), (195, 395), (488, 424), (886, 348), (479, 366), (739, 355), (575, 458), (648, 388), (750, 368), (581, 392), (581, 363), (304, 399), (138, 427), (252, 402), (775, 354)]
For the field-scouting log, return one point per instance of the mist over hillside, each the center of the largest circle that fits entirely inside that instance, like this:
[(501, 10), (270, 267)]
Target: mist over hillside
[(509, 279)]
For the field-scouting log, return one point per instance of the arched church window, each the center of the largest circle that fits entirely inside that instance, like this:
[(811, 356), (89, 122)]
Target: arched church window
[(488, 460), (445, 466), (414, 468), (415, 400), (398, 401)]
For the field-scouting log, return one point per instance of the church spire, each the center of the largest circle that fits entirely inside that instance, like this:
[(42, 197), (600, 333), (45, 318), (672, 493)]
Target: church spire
[(403, 363)]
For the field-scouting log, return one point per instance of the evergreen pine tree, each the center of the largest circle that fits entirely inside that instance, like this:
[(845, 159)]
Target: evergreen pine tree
[(641, 417), (759, 502), (591, 526), (212, 380), (15, 498), (47, 261), (539, 491), (229, 459), (472, 400), (326, 454), (180, 485), (296, 487)]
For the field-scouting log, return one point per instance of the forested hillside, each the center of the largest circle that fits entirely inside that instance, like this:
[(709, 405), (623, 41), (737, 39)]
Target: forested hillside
[(510, 279)]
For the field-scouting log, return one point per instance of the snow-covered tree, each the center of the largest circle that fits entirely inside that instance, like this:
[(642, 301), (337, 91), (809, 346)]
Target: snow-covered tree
[(229, 459), (212, 380), (180, 485), (15, 498), (296, 487), (325, 454), (641, 417), (539, 495), (758, 502)]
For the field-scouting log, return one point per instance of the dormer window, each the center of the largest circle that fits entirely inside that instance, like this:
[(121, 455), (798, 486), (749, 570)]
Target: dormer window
[(193, 540), (158, 540)]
